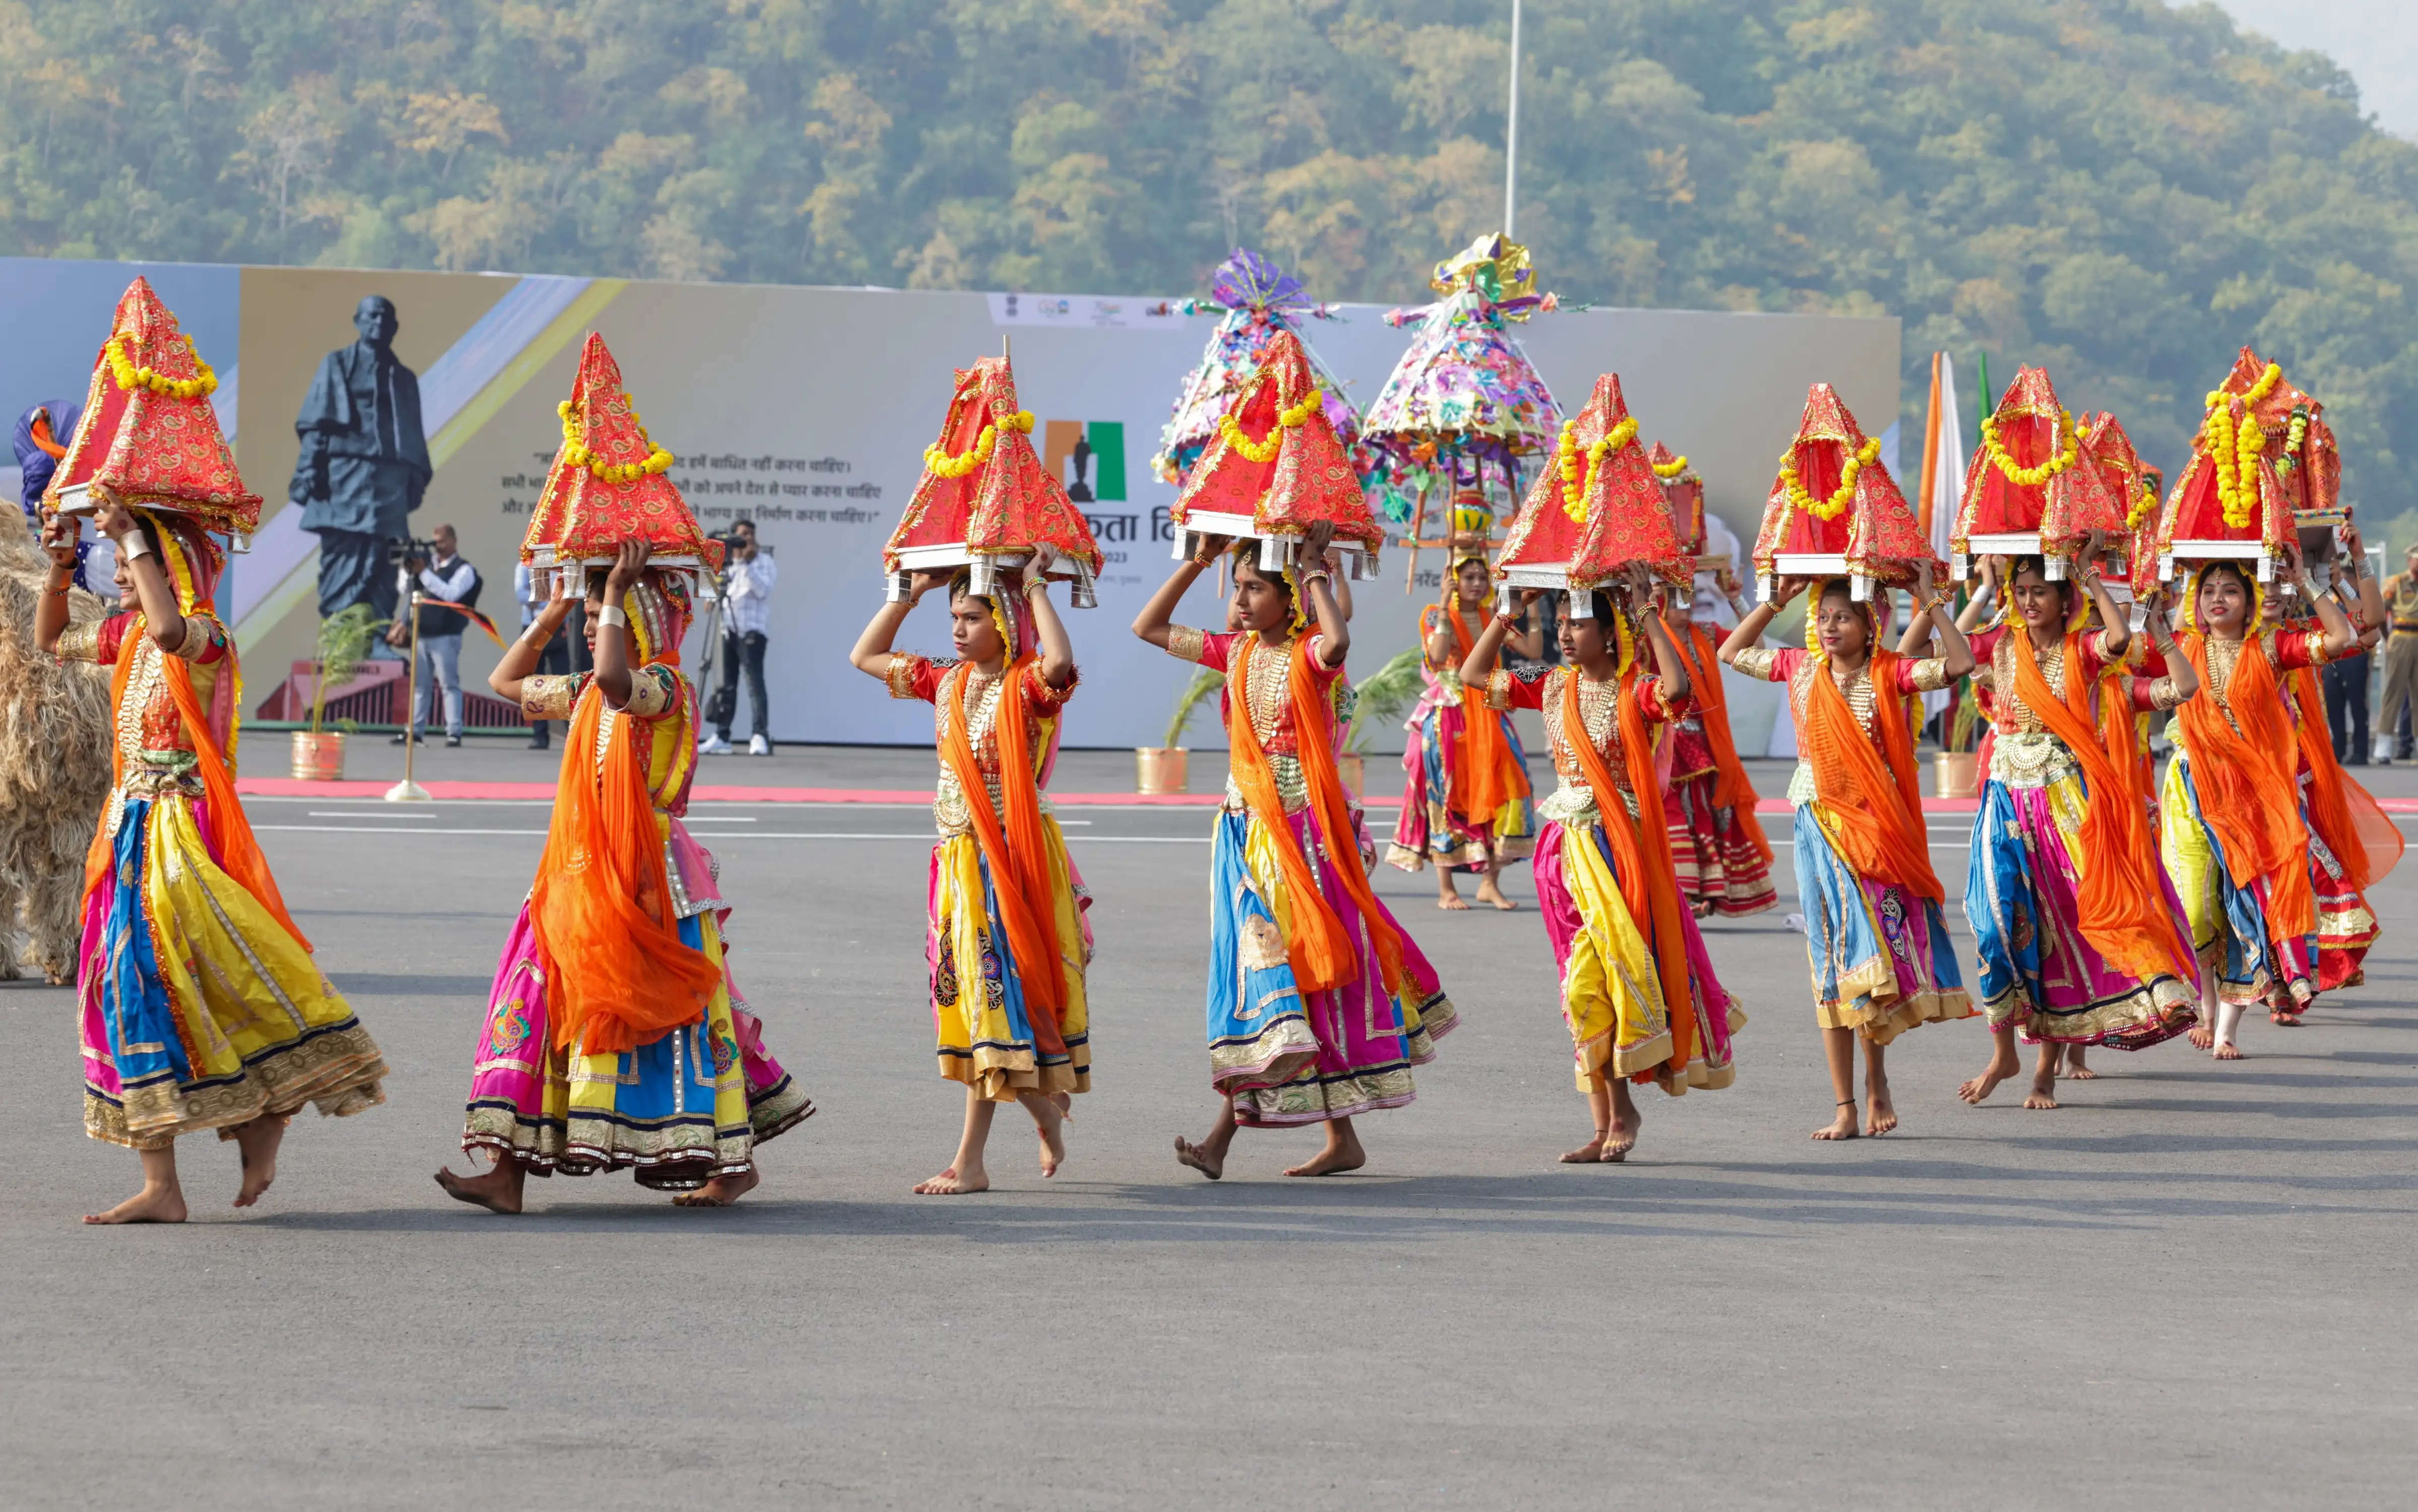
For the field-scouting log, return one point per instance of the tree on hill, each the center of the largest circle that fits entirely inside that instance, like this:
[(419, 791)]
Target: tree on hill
[(2118, 189)]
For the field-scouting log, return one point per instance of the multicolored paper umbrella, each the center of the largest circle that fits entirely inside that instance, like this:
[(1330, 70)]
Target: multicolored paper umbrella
[(984, 499), (1598, 509), (609, 484), (1276, 467), (1834, 510), (1463, 406), (148, 436), (1258, 300), (2026, 490)]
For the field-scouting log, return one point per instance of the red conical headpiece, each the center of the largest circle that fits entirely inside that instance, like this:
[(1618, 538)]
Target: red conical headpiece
[(1872, 528), (149, 437), (1276, 458), (1684, 493), (2033, 431), (1598, 505), (608, 483), (2299, 442), (983, 487)]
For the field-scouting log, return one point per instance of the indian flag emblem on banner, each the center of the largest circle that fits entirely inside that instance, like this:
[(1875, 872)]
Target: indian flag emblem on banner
[(1088, 456)]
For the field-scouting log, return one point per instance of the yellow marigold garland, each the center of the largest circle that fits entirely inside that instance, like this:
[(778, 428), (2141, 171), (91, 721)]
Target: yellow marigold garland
[(129, 377), (2143, 507), (1668, 470), (1579, 479), (1830, 507), (2233, 450), (2069, 449), (576, 451), (944, 465), (1265, 448)]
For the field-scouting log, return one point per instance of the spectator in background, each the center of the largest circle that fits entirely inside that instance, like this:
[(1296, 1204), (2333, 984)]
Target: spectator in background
[(558, 659), (2400, 661), (746, 613), (450, 576), (2345, 677)]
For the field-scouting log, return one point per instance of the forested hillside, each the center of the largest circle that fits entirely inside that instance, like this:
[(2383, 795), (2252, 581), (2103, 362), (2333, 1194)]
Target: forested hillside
[(2117, 188)]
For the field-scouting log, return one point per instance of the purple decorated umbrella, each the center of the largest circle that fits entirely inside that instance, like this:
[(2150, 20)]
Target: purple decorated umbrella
[(1464, 405), (1257, 299)]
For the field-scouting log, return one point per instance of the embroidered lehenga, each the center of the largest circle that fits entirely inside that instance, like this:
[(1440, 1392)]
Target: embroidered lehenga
[(686, 1104), (200, 1005), (1289, 1053), (1878, 946), (1638, 993), (994, 1029), (1466, 798)]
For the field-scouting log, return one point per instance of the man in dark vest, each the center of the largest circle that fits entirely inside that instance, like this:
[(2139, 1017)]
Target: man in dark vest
[(364, 463)]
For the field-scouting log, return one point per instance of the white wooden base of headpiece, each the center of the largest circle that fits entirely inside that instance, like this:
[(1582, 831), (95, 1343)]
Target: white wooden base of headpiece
[(1277, 552)]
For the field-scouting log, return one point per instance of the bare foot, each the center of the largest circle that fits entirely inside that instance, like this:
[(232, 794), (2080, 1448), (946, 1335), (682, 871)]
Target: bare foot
[(1701, 907), (1066, 1101), (949, 1183), (153, 1204), (1623, 1137), (1453, 903), (1841, 1127), (2044, 1093), (257, 1142), (2075, 1070), (1492, 895), (1338, 1157), (1999, 1069), (2202, 1037), (2288, 1017), (497, 1191), (720, 1192), (1200, 1159), (1880, 1114), (1589, 1153), (2227, 1050), (1054, 1144)]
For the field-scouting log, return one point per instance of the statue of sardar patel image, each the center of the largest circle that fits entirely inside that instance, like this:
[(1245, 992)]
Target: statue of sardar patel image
[(364, 462)]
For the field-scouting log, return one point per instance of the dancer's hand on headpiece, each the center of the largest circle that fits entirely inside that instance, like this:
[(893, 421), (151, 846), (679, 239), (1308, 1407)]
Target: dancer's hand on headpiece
[(1314, 542), (59, 532), (114, 520), (1043, 558), (2092, 548), (1923, 582), (924, 580), (1639, 579), (1785, 594), (629, 565)]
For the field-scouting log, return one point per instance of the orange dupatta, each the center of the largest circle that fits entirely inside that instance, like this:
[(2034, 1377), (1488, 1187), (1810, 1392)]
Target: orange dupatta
[(1870, 794), (2246, 783), (1732, 788), (619, 972), (240, 854), (2346, 817), (1018, 857), (1320, 951), (1493, 778), (1640, 852), (2123, 905)]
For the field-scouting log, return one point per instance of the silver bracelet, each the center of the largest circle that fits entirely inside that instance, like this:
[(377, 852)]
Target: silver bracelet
[(611, 614), (134, 546)]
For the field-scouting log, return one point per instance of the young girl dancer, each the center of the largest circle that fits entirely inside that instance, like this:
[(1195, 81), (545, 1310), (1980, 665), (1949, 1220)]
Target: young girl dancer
[(614, 1037), (1638, 990), (2080, 938), (1874, 932), (1723, 858), (2237, 840), (200, 1006), (1466, 804), (1006, 942), (1318, 1003)]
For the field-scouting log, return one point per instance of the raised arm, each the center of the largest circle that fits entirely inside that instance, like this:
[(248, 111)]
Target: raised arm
[(613, 669), (1057, 650), (872, 654), (1969, 619), (1158, 615), (1748, 632), (2116, 626), (520, 658), (1479, 665), (1669, 665), (2371, 603), (1316, 577), (50, 613), (2179, 669), (1932, 615), (2341, 636)]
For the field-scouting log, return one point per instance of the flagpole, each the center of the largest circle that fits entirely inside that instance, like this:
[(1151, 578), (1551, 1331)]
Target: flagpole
[(1511, 137), (407, 792), (1930, 453)]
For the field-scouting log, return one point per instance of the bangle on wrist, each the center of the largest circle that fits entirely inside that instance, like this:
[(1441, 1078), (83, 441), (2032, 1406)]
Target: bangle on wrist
[(612, 614), (1036, 584), (134, 546)]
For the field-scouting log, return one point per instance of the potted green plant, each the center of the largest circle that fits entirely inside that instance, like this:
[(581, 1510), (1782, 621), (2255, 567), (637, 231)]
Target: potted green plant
[(1166, 769), (344, 641), (1385, 696)]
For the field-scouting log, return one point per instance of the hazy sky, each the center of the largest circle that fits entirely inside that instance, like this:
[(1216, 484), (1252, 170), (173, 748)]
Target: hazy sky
[(2374, 40)]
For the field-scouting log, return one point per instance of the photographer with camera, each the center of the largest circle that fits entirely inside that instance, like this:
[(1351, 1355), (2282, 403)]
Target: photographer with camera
[(435, 567), (748, 575)]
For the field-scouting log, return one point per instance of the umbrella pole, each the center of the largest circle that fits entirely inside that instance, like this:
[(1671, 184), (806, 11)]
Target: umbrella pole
[(1418, 524)]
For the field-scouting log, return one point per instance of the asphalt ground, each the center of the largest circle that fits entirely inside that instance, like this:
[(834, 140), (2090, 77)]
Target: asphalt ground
[(2189, 1285)]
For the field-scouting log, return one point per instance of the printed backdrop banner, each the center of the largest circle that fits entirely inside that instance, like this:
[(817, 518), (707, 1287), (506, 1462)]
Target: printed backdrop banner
[(807, 410)]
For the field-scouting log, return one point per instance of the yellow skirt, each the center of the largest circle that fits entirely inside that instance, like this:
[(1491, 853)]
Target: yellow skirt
[(982, 1030)]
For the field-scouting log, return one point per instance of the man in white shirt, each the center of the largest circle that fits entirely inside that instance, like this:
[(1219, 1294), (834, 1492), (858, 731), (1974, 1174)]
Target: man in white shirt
[(1716, 587), (746, 613), (450, 576)]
